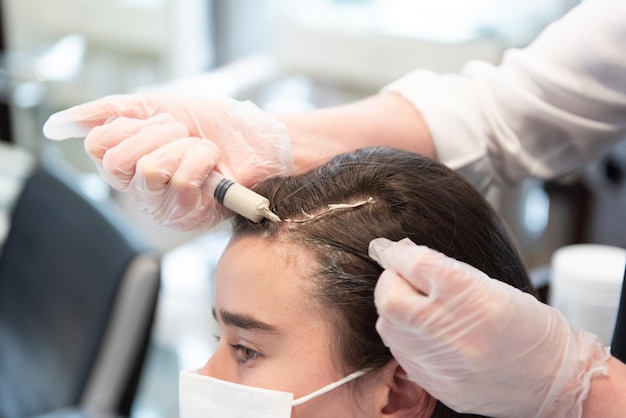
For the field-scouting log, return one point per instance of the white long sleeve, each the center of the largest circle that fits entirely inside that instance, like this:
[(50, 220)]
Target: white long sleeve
[(546, 110)]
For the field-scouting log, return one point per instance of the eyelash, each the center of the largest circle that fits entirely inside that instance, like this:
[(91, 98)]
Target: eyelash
[(245, 354), (240, 350)]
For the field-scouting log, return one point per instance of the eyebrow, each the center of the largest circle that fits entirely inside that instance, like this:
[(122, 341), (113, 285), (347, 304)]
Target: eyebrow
[(244, 321)]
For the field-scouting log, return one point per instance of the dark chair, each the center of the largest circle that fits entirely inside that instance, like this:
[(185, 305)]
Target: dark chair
[(78, 291)]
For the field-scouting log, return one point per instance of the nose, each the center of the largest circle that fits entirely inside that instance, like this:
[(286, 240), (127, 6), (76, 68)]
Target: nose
[(217, 365)]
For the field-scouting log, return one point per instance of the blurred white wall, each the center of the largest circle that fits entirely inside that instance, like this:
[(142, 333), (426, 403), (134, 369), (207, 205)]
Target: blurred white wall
[(369, 43), (130, 42)]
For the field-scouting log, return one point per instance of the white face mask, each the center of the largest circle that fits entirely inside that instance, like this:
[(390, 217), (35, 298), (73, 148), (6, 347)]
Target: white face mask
[(203, 396)]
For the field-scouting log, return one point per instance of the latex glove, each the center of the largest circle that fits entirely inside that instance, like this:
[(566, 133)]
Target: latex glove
[(159, 149), (477, 344)]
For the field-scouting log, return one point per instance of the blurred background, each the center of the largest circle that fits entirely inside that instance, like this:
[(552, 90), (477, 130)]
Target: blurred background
[(285, 56)]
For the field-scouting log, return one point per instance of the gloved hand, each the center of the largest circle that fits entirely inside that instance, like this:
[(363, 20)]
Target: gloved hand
[(159, 149), (477, 344)]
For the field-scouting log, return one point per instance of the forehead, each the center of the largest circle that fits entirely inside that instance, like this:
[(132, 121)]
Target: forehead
[(267, 278)]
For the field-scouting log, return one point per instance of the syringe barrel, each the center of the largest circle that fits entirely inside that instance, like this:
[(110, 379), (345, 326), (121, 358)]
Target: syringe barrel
[(238, 198)]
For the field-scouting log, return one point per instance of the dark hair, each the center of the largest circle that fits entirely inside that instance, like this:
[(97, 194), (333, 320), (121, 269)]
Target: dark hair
[(411, 196)]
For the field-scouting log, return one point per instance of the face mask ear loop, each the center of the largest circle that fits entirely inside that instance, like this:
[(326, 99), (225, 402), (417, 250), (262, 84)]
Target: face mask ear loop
[(330, 387)]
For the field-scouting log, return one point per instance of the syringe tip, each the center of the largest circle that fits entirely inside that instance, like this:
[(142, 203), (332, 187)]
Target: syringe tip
[(271, 216)]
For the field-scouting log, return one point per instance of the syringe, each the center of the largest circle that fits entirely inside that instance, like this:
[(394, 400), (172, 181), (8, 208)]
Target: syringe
[(239, 199)]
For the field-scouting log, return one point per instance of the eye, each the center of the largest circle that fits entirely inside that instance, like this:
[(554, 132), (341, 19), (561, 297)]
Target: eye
[(245, 354)]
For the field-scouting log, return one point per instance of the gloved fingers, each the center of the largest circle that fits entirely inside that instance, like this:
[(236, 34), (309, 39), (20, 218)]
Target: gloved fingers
[(116, 132), (119, 163), (426, 269), (186, 186), (397, 301), (405, 258), (173, 187), (384, 251), (179, 166), (404, 310), (77, 121)]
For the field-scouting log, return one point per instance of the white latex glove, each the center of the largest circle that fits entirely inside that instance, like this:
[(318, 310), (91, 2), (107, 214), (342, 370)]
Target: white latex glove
[(159, 149), (477, 344)]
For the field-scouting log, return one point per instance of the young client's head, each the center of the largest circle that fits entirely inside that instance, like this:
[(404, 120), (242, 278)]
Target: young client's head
[(294, 299)]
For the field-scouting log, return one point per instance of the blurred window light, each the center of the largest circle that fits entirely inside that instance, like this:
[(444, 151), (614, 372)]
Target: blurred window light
[(63, 61), (536, 212), (443, 21)]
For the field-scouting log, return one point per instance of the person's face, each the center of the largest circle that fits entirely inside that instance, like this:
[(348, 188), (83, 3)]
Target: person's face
[(272, 334)]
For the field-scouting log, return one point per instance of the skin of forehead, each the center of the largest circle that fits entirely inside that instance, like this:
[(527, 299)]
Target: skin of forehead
[(296, 257)]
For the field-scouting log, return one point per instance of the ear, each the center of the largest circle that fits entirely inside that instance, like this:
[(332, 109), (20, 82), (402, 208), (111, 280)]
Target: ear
[(404, 397)]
